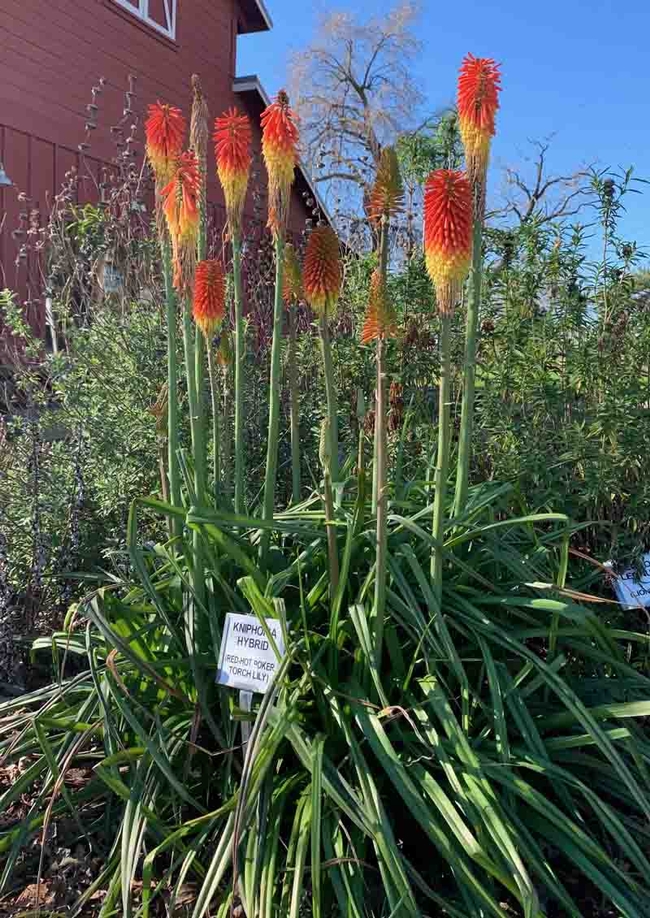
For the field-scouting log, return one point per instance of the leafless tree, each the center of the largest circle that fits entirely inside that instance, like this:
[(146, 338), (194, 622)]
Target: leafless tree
[(354, 92), (536, 194)]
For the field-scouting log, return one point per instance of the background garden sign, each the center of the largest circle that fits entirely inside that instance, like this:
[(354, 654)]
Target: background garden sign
[(247, 659), (633, 590)]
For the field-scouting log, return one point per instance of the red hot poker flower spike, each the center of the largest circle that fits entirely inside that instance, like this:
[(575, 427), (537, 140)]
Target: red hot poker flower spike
[(280, 151), (232, 149), (164, 130), (321, 273), (380, 318), (209, 304), (386, 197), (447, 234), (292, 278), (479, 85), (180, 204)]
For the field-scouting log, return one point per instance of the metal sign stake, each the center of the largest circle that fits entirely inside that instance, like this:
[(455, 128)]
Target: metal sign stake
[(246, 704)]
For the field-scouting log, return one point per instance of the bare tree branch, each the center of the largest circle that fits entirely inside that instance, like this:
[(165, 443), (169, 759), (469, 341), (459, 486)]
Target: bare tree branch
[(354, 92), (544, 198)]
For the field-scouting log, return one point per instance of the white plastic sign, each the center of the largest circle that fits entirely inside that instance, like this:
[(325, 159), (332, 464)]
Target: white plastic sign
[(633, 592), (247, 659)]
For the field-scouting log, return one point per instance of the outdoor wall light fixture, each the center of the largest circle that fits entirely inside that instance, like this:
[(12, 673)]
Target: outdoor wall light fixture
[(4, 178)]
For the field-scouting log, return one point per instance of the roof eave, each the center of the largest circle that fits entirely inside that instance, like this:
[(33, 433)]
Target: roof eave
[(255, 17)]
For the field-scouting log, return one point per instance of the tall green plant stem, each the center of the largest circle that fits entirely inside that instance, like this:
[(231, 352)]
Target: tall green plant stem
[(332, 548), (382, 501), (214, 398), (274, 400), (442, 459), (330, 396), (190, 368), (383, 268), (292, 372), (200, 433), (240, 357), (172, 380), (226, 439), (200, 447), (380, 482), (469, 368)]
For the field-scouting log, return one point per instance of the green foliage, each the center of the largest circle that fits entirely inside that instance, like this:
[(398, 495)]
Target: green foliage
[(436, 146), (81, 444), (564, 406), (492, 763)]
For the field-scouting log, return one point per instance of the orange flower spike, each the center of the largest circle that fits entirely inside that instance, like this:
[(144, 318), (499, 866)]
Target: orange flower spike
[(180, 199), (321, 274), (164, 130), (280, 151), (209, 305), (386, 197), (448, 234), (479, 85), (292, 291), (232, 149), (380, 318), (180, 205)]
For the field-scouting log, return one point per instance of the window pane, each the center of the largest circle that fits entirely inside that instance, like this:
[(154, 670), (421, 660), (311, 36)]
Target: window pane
[(158, 13)]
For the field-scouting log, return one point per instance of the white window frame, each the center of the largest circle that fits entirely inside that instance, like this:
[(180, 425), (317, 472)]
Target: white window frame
[(140, 8)]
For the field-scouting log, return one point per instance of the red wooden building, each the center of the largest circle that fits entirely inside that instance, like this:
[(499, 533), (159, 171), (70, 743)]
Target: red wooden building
[(53, 52)]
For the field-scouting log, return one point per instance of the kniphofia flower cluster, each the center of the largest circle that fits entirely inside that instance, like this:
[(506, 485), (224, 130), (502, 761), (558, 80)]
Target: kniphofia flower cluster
[(386, 197), (479, 84), (180, 204), (209, 303), (292, 291), (280, 151), (164, 132), (448, 221), (232, 143), (322, 274), (380, 317)]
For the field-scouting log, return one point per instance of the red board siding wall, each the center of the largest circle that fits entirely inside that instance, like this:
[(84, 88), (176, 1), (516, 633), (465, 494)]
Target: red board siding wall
[(55, 51)]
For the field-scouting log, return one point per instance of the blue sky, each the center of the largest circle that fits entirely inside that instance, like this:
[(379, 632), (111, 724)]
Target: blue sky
[(574, 69)]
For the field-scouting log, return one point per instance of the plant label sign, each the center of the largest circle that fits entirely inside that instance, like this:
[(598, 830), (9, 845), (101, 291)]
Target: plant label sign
[(631, 590), (247, 660)]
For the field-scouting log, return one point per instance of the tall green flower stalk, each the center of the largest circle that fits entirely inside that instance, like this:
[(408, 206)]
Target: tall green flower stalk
[(225, 358), (216, 424), (442, 458), (209, 308), (199, 146), (378, 325), (240, 360), (330, 394), (385, 201), (232, 137), (479, 84), (293, 294), (164, 131), (172, 378), (180, 205), (275, 381), (332, 549), (280, 152), (294, 406), (469, 369), (382, 502), (321, 280), (447, 243)]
